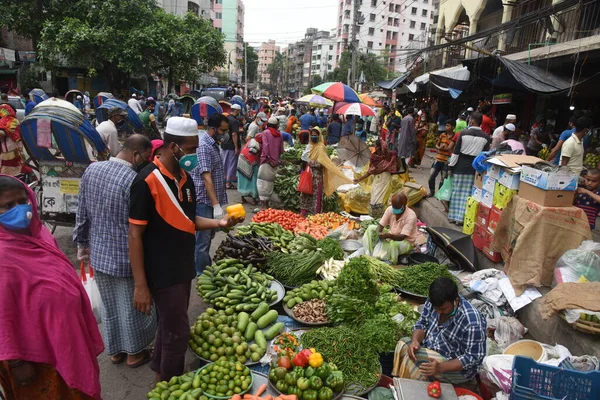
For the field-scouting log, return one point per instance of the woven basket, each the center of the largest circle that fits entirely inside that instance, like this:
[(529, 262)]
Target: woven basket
[(592, 328)]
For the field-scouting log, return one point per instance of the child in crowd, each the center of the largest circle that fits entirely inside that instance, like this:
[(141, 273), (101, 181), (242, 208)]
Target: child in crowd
[(588, 196), (444, 146)]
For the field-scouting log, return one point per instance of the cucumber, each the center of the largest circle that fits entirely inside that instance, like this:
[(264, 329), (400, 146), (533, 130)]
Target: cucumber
[(298, 300), (250, 331), (262, 309), (267, 319), (291, 303), (259, 338), (273, 331), (243, 320)]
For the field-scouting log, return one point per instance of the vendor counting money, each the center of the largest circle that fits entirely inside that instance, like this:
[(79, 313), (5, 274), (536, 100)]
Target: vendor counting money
[(448, 340)]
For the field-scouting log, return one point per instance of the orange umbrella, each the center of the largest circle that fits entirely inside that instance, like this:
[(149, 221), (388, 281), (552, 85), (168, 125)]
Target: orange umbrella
[(368, 100)]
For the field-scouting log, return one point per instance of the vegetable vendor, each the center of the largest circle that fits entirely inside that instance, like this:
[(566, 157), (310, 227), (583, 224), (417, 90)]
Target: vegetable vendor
[(402, 223), (448, 340)]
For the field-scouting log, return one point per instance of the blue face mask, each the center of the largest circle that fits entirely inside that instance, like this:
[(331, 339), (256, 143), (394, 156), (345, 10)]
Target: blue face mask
[(397, 211), (18, 217)]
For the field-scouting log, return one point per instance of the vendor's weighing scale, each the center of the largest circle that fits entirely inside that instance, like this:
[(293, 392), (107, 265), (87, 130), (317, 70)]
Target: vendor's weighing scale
[(408, 389)]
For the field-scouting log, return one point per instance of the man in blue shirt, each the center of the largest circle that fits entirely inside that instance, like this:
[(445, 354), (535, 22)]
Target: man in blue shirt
[(554, 156), (30, 104), (321, 119), (348, 127), (307, 120), (448, 340), (334, 130)]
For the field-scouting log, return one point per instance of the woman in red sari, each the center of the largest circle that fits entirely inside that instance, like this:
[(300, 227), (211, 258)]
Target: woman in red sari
[(11, 161)]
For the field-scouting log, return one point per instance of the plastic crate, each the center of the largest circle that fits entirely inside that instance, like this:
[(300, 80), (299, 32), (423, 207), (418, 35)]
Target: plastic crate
[(534, 381)]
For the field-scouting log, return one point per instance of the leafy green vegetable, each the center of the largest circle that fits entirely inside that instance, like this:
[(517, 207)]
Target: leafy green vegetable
[(356, 280), (332, 203), (417, 278), (382, 333), (331, 248), (286, 185)]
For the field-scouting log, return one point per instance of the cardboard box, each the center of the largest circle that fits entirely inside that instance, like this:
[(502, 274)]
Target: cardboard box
[(495, 171), (487, 198), (489, 183), (479, 179), (510, 180), (468, 227), (503, 196), (495, 214), (477, 193), (561, 180), (471, 209), (482, 240), (483, 215), (546, 198)]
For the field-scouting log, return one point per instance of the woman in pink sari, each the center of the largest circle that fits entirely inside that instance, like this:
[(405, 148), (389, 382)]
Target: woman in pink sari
[(49, 339)]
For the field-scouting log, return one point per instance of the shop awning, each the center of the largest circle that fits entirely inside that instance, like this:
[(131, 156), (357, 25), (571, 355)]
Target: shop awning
[(449, 80), (394, 83)]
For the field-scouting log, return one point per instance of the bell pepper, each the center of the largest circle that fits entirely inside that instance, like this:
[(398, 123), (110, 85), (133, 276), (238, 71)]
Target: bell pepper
[(316, 382), (315, 360), (310, 395), (308, 352), (434, 389), (335, 381), (300, 360), (282, 387), (332, 366), (272, 376), (308, 372), (299, 371), (323, 371), (280, 373), (295, 390), (325, 393), (291, 378), (303, 383)]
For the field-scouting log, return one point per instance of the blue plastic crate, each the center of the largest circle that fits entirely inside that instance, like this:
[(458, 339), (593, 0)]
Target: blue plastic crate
[(534, 381)]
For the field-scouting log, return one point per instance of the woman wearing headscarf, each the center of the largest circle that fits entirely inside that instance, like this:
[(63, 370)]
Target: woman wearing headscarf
[(48, 333), (327, 177), (422, 127), (382, 164), (247, 169), (10, 142)]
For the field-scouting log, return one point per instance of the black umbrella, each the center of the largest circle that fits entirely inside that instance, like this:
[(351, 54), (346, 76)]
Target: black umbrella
[(458, 246)]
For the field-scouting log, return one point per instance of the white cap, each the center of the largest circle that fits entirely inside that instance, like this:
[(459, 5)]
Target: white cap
[(511, 117), (133, 95), (470, 109), (273, 121), (180, 126), (510, 127), (78, 96), (236, 107)]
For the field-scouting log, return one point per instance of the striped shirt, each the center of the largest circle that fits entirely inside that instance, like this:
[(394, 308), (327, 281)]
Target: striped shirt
[(590, 207), (463, 336), (103, 213), (209, 160), (469, 144), (443, 155)]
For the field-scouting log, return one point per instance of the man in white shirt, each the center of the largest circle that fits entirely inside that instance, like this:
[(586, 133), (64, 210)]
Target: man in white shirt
[(256, 126), (134, 104), (572, 150), (510, 119), (108, 129)]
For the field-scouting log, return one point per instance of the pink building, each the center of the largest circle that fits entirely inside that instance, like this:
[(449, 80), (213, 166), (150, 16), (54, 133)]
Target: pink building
[(266, 55)]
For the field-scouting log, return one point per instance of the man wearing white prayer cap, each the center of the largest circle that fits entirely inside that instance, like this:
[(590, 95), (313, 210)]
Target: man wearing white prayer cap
[(162, 228), (510, 119)]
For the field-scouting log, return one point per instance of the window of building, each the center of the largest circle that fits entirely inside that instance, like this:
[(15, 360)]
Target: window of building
[(412, 24), (435, 19), (330, 58), (414, 11), (398, 8), (369, 45), (372, 17), (193, 7), (340, 19), (391, 7), (388, 35), (341, 4), (392, 61), (319, 47), (218, 15), (390, 21), (422, 26), (395, 35), (218, 1), (387, 46), (424, 13), (396, 21), (425, 1), (371, 31), (347, 14), (373, 3), (411, 36), (330, 47), (393, 48), (329, 67), (339, 32)]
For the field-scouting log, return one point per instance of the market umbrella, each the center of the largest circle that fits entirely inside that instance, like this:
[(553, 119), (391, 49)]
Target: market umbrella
[(38, 95), (355, 151), (337, 91), (356, 109), (368, 100), (314, 100), (338, 105), (205, 107), (101, 98), (458, 247)]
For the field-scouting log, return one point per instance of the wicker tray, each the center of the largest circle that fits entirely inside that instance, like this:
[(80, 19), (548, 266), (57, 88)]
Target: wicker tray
[(589, 327)]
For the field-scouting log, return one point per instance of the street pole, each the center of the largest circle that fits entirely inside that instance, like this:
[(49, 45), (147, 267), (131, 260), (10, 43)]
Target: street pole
[(245, 70), (356, 4)]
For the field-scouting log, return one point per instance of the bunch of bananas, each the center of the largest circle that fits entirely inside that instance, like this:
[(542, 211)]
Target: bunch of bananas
[(544, 153)]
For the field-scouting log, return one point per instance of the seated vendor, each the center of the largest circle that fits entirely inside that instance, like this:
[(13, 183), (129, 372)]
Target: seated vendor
[(588, 196), (448, 340), (402, 222)]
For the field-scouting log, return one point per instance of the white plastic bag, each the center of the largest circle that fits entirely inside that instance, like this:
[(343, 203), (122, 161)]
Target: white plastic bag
[(91, 288), (583, 261), (507, 331)]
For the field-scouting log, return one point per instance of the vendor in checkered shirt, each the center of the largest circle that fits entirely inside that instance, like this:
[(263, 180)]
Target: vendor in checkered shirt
[(448, 340)]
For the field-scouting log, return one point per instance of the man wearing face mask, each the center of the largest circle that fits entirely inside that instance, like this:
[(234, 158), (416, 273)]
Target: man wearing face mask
[(108, 129), (101, 237), (149, 120), (448, 340), (162, 226), (402, 223)]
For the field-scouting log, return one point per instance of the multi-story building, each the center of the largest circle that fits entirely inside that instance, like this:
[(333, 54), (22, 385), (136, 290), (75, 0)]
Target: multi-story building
[(266, 55), (323, 54), (385, 27), (229, 19), (202, 8), (298, 70)]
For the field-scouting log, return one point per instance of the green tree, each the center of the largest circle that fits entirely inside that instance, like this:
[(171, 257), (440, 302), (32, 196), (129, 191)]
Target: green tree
[(252, 64), (368, 63), (275, 70)]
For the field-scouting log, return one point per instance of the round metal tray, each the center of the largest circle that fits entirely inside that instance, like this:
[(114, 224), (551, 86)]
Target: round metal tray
[(353, 390), (279, 288), (336, 396), (258, 379), (417, 296), (290, 312)]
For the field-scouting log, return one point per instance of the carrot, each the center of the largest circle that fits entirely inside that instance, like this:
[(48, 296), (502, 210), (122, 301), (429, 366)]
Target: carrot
[(267, 397), (288, 397), (261, 389), (236, 397), (249, 397)]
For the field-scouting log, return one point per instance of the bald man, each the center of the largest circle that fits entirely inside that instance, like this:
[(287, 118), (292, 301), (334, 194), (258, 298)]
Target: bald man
[(402, 223)]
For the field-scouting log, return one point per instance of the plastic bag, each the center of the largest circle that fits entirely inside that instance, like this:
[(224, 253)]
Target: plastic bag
[(445, 192), (583, 261), (305, 184), (507, 331), (370, 239), (91, 288), (391, 250)]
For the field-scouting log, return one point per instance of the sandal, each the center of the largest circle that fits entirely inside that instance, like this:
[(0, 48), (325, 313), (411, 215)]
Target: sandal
[(145, 359), (118, 358)]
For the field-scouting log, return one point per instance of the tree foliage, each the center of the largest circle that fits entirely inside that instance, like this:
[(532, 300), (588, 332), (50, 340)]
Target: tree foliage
[(275, 69), (252, 63), (368, 63)]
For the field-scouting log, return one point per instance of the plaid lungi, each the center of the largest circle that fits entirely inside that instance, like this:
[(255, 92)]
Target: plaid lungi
[(406, 368), (462, 186), (125, 330)]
